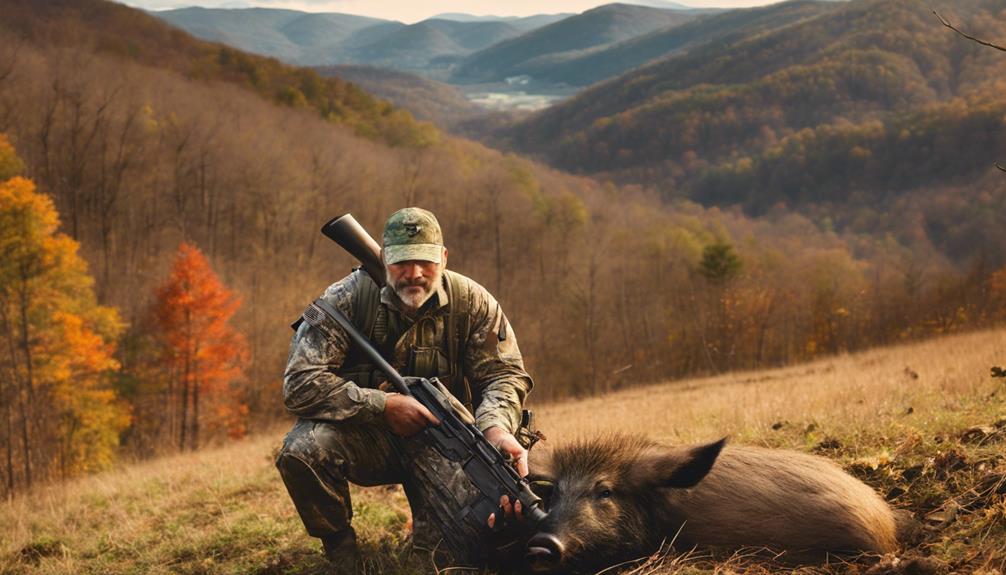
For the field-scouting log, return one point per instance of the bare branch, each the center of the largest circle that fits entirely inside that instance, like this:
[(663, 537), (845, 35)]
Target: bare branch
[(968, 36), (973, 39)]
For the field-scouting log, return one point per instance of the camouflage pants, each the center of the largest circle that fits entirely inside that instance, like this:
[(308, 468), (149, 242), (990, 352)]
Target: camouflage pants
[(318, 459)]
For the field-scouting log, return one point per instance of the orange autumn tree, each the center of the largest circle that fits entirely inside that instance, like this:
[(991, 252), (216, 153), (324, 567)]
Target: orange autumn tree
[(59, 413), (203, 352)]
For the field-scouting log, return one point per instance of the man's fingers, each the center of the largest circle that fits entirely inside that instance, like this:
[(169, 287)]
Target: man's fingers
[(518, 510), (428, 415), (507, 508), (521, 464), (492, 520)]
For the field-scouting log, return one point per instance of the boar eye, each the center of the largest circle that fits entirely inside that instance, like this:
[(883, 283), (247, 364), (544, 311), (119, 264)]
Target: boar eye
[(603, 491), (543, 488)]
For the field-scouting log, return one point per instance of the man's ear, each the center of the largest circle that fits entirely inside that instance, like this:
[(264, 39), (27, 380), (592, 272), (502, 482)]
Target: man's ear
[(677, 467), (443, 259)]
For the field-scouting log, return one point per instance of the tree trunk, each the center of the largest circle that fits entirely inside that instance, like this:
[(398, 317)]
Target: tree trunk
[(10, 447), (195, 415), (591, 321), (27, 385), (185, 414), (186, 378), (195, 398), (185, 405), (171, 401), (7, 394)]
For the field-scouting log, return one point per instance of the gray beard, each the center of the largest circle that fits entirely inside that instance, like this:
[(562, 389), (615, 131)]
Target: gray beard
[(415, 301)]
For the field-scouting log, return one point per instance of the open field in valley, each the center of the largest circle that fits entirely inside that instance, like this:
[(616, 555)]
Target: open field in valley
[(922, 423)]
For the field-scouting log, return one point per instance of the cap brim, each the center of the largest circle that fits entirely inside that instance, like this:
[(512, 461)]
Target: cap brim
[(421, 252)]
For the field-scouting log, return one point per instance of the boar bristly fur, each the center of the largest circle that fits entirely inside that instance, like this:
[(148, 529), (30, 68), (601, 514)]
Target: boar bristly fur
[(620, 497)]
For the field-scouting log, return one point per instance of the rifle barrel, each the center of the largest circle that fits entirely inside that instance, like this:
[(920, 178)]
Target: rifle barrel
[(348, 233)]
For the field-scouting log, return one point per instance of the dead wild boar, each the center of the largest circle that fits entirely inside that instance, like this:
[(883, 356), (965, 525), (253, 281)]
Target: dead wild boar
[(620, 497)]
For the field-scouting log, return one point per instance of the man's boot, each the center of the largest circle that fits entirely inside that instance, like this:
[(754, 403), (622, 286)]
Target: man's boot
[(342, 552)]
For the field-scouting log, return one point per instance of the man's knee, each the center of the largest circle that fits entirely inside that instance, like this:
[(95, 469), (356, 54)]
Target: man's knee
[(307, 445), (358, 453)]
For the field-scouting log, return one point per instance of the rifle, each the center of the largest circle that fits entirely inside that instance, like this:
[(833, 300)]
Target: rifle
[(456, 438), (348, 233)]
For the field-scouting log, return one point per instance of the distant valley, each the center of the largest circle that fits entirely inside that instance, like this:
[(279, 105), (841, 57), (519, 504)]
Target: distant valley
[(500, 63), (830, 108)]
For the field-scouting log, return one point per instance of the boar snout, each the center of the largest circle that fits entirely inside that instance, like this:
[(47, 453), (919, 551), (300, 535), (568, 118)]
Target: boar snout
[(544, 552)]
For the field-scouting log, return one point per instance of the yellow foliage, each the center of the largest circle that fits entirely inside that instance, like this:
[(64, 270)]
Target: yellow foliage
[(70, 337), (150, 123), (91, 418), (601, 123), (745, 164), (860, 152), (10, 164)]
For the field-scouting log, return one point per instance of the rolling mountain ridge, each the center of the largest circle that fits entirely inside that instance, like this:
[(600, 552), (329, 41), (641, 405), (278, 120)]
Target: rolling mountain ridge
[(315, 39), (594, 66), (592, 29), (834, 110), (292, 36)]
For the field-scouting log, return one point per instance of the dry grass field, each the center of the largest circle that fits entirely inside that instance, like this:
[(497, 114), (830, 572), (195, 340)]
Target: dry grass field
[(922, 423)]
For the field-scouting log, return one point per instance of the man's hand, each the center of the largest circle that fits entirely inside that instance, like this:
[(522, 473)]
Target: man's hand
[(509, 512), (406, 416), (508, 445)]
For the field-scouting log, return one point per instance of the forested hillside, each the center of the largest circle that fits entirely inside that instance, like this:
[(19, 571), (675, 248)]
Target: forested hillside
[(325, 39), (587, 67), (427, 100), (116, 30), (839, 115), (192, 180), (594, 28)]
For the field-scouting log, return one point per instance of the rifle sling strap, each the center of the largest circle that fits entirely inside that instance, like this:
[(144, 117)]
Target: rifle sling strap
[(458, 329)]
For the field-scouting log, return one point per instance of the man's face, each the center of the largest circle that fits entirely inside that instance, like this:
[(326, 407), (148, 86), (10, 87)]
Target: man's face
[(414, 281)]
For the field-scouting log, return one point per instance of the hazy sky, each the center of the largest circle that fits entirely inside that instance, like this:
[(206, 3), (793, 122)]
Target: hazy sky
[(412, 11)]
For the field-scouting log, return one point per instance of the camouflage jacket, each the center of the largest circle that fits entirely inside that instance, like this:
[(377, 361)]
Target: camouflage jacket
[(492, 362)]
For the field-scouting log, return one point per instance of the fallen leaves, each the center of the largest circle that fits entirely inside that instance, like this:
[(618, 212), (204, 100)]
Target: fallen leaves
[(891, 564)]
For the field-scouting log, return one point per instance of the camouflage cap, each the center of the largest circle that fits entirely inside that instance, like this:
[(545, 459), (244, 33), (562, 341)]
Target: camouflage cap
[(412, 234)]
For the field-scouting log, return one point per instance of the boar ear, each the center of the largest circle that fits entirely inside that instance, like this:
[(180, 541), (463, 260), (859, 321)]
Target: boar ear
[(681, 467)]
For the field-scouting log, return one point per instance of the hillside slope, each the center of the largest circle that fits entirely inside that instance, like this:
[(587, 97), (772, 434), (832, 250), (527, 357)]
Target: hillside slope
[(929, 442), (426, 99), (596, 27), (853, 109), (190, 141), (115, 30), (597, 65)]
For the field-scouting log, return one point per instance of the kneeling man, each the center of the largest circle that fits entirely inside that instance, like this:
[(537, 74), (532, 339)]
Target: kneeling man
[(427, 322)]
